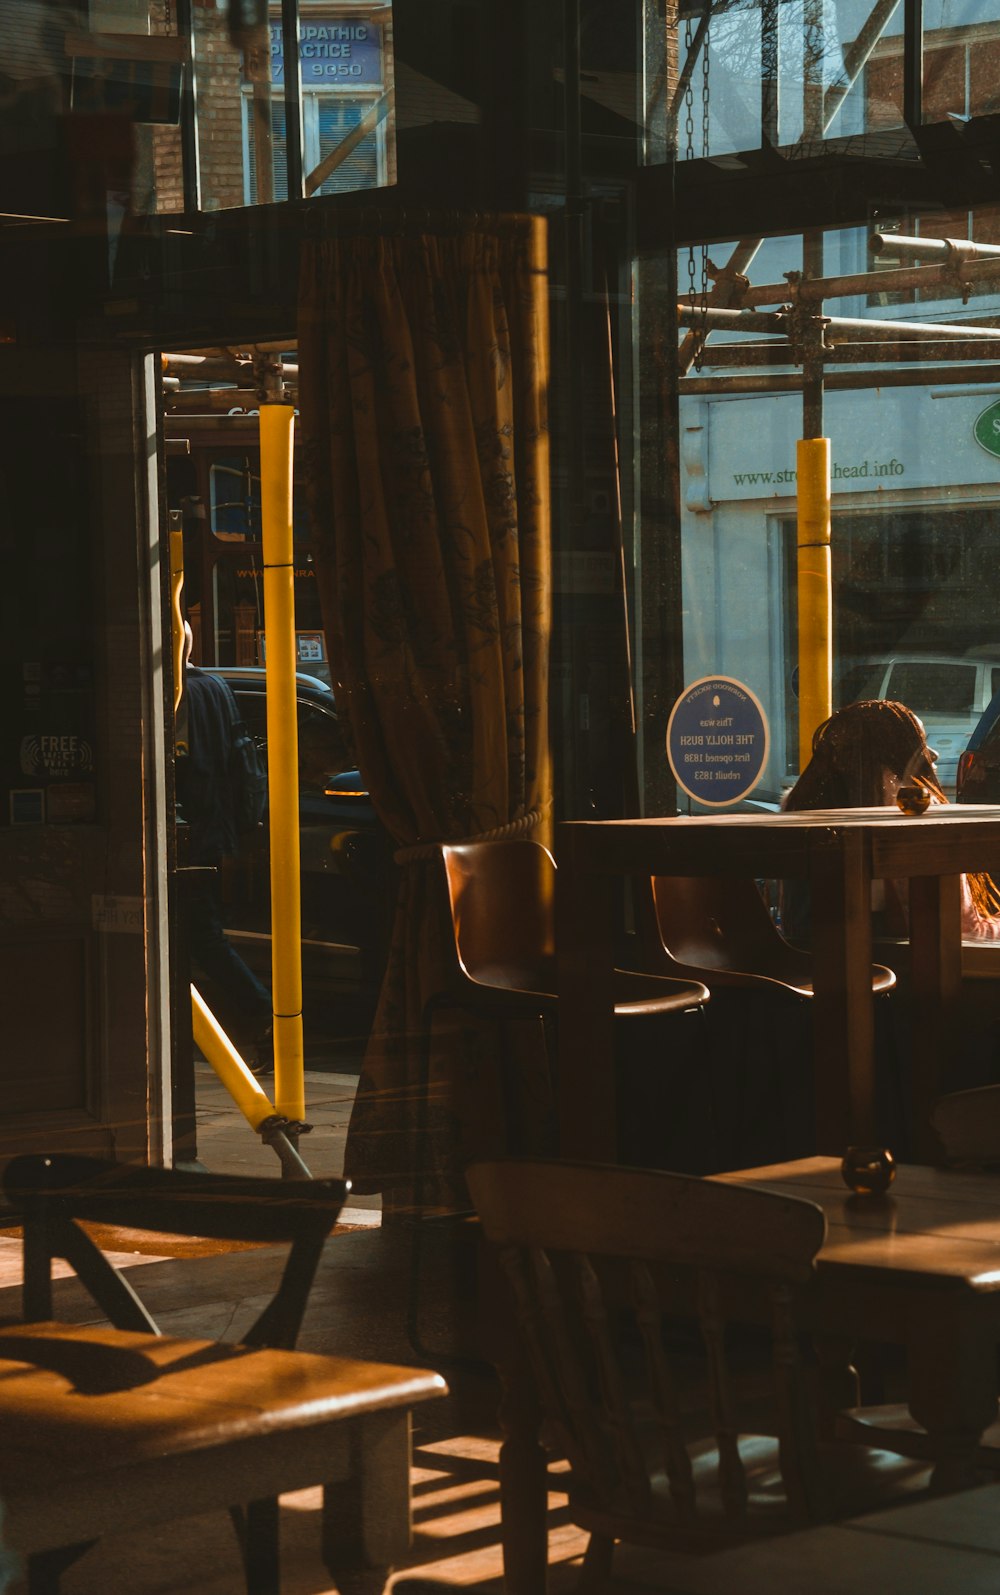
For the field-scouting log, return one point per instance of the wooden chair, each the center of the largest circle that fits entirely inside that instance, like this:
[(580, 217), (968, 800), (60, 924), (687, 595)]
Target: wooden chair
[(502, 897), (106, 1427), (603, 1261), (501, 966), (501, 961), (717, 929), (967, 1124)]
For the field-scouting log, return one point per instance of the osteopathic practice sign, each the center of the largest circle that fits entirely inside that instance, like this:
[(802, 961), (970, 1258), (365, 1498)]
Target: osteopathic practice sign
[(717, 741)]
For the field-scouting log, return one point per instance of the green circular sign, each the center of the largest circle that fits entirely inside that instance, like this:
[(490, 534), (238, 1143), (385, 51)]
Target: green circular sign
[(987, 428)]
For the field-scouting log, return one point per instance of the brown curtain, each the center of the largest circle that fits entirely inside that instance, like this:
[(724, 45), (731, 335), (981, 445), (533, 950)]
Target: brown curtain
[(423, 390)]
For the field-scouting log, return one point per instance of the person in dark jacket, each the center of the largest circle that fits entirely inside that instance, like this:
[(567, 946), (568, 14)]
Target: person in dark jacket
[(205, 802)]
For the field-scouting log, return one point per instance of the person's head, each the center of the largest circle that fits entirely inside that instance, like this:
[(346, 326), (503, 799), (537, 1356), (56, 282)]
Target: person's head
[(188, 642), (861, 757)]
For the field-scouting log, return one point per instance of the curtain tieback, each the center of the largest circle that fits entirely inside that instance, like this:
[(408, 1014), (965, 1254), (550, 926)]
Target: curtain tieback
[(421, 851)]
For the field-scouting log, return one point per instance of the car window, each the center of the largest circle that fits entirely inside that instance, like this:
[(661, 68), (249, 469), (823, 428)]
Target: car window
[(987, 731), (933, 686), (994, 681), (253, 708), (859, 682), (321, 746)]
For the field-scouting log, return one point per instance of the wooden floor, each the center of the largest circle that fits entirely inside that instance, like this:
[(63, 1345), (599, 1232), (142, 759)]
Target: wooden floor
[(357, 1308), (456, 1519)]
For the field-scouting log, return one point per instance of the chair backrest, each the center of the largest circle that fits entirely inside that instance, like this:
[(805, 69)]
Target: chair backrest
[(968, 1125), (53, 1191), (583, 1243), (721, 923), (502, 899)]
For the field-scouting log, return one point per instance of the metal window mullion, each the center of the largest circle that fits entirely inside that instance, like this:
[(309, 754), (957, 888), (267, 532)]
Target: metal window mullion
[(913, 63), (769, 88), (248, 186), (293, 97), (312, 152), (190, 165)]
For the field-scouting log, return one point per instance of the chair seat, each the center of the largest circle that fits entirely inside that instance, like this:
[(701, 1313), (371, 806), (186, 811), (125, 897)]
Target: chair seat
[(892, 1428), (718, 929), (854, 1478), (787, 982), (99, 1421), (521, 990)]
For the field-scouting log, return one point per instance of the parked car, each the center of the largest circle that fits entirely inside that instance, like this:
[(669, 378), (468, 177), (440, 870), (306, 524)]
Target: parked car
[(947, 692), (345, 862), (979, 767)]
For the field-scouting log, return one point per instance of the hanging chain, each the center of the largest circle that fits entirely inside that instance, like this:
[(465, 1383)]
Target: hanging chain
[(689, 152), (697, 296), (688, 98), (706, 65)]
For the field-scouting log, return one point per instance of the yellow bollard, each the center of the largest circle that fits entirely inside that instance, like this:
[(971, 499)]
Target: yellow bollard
[(209, 1035), (277, 423), (815, 594)]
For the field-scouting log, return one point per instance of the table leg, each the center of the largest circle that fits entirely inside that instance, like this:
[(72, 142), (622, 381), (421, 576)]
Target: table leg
[(366, 1517), (585, 953), (953, 1391), (838, 1388), (840, 878), (936, 962)]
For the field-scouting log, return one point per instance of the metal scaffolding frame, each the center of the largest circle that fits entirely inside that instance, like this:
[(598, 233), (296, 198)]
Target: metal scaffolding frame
[(802, 335)]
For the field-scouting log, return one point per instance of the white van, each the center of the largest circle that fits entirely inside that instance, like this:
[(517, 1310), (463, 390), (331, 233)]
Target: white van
[(947, 692)]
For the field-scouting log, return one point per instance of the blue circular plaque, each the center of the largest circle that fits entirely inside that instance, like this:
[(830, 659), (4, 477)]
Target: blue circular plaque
[(717, 741)]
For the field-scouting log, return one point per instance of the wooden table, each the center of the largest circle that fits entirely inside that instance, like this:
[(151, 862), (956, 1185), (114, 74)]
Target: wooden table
[(919, 1268), (104, 1427), (840, 852)]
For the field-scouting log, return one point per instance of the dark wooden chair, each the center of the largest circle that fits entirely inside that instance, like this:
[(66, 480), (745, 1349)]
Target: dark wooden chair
[(502, 900), (502, 964), (604, 1264), (502, 967), (718, 929), (120, 1425), (967, 1123)]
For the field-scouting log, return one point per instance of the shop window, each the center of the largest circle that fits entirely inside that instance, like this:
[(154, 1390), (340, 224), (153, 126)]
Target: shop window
[(327, 120), (961, 76), (235, 499)]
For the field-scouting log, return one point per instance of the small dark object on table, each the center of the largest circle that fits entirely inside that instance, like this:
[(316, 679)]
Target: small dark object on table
[(913, 799), (868, 1170)]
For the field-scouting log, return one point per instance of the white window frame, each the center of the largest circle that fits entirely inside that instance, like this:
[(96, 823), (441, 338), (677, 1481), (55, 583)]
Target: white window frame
[(311, 98)]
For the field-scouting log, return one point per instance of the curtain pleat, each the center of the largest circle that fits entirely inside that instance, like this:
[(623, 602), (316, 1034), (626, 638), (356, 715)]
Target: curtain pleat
[(423, 379)]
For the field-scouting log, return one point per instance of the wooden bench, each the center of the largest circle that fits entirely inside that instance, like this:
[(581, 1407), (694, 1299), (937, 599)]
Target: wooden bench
[(113, 1427)]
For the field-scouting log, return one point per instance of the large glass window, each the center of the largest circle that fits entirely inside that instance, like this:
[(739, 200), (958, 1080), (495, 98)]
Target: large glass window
[(878, 335), (345, 78)]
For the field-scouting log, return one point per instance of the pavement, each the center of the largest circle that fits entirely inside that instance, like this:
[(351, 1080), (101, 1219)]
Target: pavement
[(227, 1144)]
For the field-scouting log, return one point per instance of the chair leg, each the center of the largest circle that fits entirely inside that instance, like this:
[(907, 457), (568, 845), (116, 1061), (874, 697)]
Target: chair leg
[(597, 1563), (417, 1345), (714, 1123), (419, 1186), (45, 1568)]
